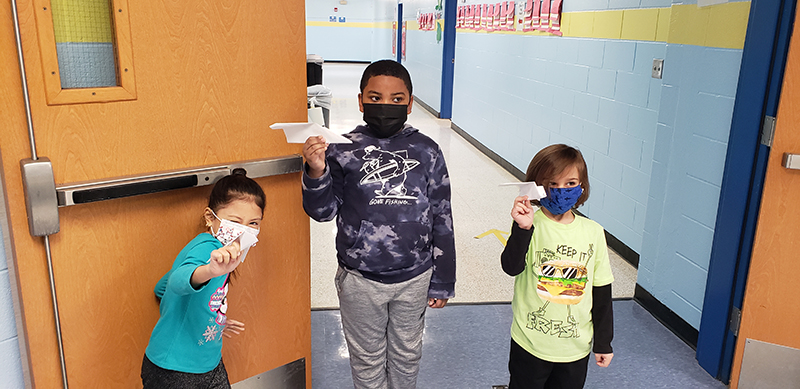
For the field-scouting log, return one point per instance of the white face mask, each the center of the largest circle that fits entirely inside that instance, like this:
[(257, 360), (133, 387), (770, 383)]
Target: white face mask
[(228, 232)]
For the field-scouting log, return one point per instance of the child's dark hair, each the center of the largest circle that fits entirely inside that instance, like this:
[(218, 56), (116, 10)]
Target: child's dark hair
[(386, 67), (551, 161), (236, 186)]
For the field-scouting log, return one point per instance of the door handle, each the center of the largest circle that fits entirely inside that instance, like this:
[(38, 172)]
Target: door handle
[(791, 161), (115, 188)]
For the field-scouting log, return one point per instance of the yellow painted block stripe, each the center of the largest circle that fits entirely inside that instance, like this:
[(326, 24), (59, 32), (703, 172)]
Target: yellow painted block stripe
[(607, 25), (577, 24), (346, 24), (82, 21), (722, 25), (722, 32), (640, 24), (383, 25), (662, 30)]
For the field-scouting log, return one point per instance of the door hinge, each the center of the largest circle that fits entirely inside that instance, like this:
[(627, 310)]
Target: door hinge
[(736, 319), (768, 131)]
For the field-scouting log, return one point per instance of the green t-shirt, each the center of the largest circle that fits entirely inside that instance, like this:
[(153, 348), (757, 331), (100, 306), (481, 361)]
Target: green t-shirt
[(553, 296)]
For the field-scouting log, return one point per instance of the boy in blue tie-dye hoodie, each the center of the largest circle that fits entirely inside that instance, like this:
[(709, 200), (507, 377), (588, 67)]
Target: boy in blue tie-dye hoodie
[(389, 192)]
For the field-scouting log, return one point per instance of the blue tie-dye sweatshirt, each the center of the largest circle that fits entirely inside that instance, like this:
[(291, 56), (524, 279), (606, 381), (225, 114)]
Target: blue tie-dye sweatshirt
[(391, 200)]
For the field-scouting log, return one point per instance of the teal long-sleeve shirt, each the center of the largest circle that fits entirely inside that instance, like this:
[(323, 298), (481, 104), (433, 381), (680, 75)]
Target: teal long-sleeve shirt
[(188, 335)]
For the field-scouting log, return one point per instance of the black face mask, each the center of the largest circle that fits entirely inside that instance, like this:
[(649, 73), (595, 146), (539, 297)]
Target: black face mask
[(385, 119)]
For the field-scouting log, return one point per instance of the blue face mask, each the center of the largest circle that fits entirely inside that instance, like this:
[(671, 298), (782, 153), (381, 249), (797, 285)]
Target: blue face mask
[(560, 200)]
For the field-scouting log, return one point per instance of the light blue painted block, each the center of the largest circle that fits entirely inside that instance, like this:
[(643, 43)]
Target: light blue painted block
[(625, 149), (675, 62), (695, 241), (556, 73), (713, 117), (568, 50), (607, 170), (613, 115), (648, 149), (690, 281), (602, 82), (646, 52), (718, 71), (571, 127), (663, 144), (656, 3), (654, 98), (657, 195), (633, 89), (536, 70), (669, 105), (619, 55), (10, 366), (3, 264), (635, 184), (630, 237), (597, 191), (642, 123), (646, 260), (590, 52), (563, 100), (530, 45), (541, 93), (576, 77), (550, 119), (623, 4), (655, 208), (586, 107), (680, 305), (705, 159), (703, 212), (8, 328), (339, 43), (596, 137), (548, 48), (695, 1), (585, 5), (682, 299), (620, 207), (639, 216)]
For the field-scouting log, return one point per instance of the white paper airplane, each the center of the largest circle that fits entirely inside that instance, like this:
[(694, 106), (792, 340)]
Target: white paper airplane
[(530, 189), (299, 132)]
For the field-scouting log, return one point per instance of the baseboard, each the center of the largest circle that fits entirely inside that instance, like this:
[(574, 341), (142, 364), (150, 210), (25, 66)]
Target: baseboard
[(343, 61), (623, 250), (427, 107), (666, 316)]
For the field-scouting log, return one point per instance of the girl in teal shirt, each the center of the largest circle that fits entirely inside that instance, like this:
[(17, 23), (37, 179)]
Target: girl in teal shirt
[(185, 348)]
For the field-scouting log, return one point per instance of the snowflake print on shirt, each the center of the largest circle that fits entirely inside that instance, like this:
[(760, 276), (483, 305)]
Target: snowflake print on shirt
[(211, 333)]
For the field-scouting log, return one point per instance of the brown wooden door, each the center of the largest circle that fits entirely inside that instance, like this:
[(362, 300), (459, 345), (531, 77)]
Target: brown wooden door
[(210, 77), (771, 310)]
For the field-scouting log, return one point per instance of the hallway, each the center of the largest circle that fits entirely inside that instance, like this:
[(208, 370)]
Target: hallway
[(469, 339)]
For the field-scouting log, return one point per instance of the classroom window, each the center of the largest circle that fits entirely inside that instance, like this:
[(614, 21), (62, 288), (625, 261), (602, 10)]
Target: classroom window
[(86, 51)]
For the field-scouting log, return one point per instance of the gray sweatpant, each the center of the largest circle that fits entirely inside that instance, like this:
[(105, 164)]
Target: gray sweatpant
[(383, 326)]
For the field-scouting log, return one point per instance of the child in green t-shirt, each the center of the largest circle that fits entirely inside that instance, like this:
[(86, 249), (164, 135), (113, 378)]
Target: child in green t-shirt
[(562, 287)]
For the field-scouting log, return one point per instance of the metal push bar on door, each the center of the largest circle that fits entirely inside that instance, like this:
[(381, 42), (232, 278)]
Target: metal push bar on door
[(115, 188)]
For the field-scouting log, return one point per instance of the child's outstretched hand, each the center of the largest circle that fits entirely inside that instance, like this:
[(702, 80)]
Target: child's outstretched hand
[(522, 212), (603, 360), (232, 327), (314, 153), (224, 260)]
